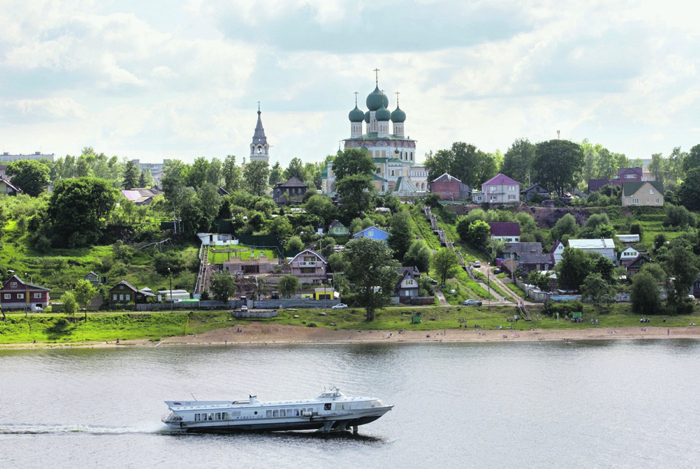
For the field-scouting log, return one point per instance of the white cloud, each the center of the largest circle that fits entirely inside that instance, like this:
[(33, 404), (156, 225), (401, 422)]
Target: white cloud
[(50, 107)]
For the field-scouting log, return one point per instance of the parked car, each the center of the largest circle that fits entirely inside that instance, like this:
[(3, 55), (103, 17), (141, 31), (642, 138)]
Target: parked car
[(340, 306), (477, 264), (471, 302), (432, 281), (244, 308)]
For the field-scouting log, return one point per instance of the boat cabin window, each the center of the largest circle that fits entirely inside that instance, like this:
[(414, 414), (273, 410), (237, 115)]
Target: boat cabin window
[(282, 413), (197, 417), (218, 416), (224, 416), (327, 406), (211, 416), (275, 413), (268, 414)]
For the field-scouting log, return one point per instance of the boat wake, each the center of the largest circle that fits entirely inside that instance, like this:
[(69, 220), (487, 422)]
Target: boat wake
[(42, 429)]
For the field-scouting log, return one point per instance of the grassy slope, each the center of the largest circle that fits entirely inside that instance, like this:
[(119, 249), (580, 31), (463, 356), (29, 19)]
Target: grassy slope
[(17, 255)]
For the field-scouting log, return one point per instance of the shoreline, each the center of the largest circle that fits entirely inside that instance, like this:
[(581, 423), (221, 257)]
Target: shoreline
[(274, 335)]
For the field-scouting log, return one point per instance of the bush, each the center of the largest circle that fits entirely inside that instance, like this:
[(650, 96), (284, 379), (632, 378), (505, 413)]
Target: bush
[(42, 244), (566, 308), (171, 260), (636, 228)]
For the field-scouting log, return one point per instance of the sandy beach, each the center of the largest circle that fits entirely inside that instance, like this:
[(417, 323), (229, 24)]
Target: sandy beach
[(264, 334)]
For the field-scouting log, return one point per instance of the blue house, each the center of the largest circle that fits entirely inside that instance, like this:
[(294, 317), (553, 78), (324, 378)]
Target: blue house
[(373, 233)]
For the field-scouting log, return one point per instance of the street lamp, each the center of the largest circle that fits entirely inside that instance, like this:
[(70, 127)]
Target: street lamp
[(171, 289)]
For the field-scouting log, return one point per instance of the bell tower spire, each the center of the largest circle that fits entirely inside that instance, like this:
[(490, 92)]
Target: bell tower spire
[(259, 148)]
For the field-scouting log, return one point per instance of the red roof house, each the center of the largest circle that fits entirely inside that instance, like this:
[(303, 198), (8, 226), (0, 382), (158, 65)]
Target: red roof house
[(18, 294)]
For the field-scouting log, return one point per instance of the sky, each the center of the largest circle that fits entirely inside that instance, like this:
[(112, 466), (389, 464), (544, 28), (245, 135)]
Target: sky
[(182, 78)]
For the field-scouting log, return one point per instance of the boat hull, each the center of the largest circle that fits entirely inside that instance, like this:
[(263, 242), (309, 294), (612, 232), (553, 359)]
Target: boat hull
[(224, 427)]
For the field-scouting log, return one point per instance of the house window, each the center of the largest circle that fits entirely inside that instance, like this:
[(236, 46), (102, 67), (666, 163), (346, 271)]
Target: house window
[(511, 188), (630, 176), (657, 201), (37, 295), (121, 297), (492, 189), (20, 296), (511, 197), (114, 297), (128, 297), (7, 296), (651, 191), (635, 201)]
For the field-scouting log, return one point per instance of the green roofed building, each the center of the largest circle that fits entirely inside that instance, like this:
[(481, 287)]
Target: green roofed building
[(382, 133), (647, 193)]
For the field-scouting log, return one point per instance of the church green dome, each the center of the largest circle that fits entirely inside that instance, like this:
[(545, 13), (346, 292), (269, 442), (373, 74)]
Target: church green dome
[(356, 115), (383, 114), (375, 100), (367, 117), (398, 115)]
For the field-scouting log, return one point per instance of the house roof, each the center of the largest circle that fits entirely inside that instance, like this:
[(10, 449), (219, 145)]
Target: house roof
[(630, 188), (406, 273), (312, 252), (336, 223), (360, 233), (413, 269), (594, 185), (500, 179), (636, 170), (504, 228), (92, 273), (132, 288), (639, 257), (446, 178), (523, 248), (27, 285), (535, 187), (10, 185), (601, 243), (293, 182), (544, 258)]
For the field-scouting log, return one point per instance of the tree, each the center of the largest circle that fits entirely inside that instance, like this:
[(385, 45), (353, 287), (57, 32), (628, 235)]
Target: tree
[(281, 227), (446, 263), (401, 235), (558, 164), (168, 263), (418, 255), (371, 268), (256, 174), (294, 244), (438, 164), (691, 161), (471, 165), (352, 162), (326, 246), (573, 268), (296, 169), (214, 172), (288, 286), (539, 280), (231, 174), (518, 160), (84, 293), (645, 295), (566, 225), (322, 207), (70, 306), (29, 175), (689, 191), (222, 285), (210, 202), (78, 208), (682, 265), (131, 175), (275, 174), (479, 233), (355, 193), (146, 178), (197, 175), (595, 289)]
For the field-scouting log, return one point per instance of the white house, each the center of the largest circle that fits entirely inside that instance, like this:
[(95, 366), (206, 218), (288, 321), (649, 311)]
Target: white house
[(557, 252), (217, 239), (628, 254), (604, 246)]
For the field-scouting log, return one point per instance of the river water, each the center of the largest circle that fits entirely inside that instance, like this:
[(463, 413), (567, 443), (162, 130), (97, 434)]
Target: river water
[(595, 404)]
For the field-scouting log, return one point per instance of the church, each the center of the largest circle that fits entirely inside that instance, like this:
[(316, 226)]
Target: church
[(385, 139)]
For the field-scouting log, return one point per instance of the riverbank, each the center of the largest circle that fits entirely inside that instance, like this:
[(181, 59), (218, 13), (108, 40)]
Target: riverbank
[(257, 334)]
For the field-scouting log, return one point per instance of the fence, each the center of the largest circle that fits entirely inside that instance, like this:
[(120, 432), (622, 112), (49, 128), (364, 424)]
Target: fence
[(293, 303)]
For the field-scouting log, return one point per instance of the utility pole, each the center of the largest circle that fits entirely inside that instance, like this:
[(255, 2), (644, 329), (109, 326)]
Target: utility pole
[(171, 289)]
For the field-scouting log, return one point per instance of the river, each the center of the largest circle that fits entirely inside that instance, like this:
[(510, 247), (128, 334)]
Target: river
[(588, 404)]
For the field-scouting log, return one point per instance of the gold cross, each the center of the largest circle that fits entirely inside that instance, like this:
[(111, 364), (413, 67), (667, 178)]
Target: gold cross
[(397, 99), (376, 72), (355, 98)]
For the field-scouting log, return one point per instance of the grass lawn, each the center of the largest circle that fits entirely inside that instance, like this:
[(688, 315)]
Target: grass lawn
[(108, 326), (218, 256), (516, 289), (423, 229)]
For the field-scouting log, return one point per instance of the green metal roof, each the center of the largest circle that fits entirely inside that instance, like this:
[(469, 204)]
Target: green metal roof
[(398, 115), (356, 115), (373, 136), (629, 188), (377, 178)]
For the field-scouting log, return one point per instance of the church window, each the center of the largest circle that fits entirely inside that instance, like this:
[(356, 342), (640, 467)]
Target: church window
[(392, 172)]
